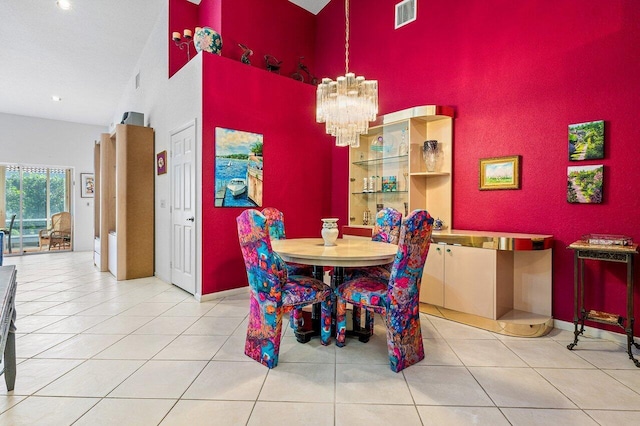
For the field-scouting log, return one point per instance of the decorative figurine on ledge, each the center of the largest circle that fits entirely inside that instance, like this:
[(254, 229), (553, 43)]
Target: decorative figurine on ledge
[(273, 64), (246, 52), (438, 225), (298, 75)]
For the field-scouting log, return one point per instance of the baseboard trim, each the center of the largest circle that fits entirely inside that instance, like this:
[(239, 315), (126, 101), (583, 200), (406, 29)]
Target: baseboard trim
[(595, 333), (221, 294)]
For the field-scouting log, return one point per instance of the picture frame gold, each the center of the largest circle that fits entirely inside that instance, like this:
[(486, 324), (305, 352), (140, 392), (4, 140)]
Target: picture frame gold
[(500, 173)]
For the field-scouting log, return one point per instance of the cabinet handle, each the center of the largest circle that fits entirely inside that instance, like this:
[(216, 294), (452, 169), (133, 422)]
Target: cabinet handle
[(448, 250), (438, 249)]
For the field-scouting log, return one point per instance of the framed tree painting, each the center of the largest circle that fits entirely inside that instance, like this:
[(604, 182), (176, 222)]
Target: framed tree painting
[(586, 141)]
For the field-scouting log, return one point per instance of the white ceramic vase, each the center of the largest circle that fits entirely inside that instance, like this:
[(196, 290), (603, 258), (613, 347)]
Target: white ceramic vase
[(329, 231)]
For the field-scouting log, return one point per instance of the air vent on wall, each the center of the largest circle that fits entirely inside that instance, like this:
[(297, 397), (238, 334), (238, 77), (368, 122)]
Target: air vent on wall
[(405, 12)]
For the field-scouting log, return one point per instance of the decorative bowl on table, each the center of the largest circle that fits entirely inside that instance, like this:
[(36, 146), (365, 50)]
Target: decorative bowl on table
[(208, 40)]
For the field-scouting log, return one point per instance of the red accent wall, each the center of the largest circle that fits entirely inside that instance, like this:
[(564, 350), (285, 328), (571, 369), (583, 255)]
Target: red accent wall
[(297, 159), (518, 73), (274, 27)]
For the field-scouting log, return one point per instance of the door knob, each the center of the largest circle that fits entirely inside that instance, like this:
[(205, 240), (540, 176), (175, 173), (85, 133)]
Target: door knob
[(191, 219)]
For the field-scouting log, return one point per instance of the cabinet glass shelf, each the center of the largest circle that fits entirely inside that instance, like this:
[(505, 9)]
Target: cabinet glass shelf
[(429, 174), (379, 192), (378, 161)]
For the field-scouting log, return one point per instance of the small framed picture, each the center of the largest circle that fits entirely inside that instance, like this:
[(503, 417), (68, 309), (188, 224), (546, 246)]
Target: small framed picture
[(586, 141), (584, 184), (161, 162), (87, 185), (500, 173)]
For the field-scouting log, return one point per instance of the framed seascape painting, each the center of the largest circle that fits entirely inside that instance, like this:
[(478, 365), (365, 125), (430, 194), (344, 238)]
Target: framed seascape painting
[(500, 173), (87, 185), (586, 141), (238, 168), (584, 184)]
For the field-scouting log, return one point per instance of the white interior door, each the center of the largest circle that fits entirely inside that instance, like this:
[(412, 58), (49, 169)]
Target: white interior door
[(182, 163)]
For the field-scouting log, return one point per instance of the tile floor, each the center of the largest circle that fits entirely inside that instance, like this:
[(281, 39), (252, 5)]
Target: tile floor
[(94, 351)]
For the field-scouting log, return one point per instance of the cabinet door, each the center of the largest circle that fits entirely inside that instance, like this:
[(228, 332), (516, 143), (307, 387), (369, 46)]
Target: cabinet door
[(469, 276), (432, 287)]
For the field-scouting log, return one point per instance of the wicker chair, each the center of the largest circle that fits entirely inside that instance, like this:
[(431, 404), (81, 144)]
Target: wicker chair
[(59, 235)]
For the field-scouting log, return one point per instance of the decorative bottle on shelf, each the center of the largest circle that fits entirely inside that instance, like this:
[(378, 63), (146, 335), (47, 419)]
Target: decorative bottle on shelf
[(403, 149), (430, 154), (329, 231)]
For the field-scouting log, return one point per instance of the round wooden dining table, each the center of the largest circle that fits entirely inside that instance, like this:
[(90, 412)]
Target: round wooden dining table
[(346, 253)]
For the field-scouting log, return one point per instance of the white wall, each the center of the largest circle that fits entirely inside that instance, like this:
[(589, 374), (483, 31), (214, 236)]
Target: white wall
[(167, 105), (33, 141)]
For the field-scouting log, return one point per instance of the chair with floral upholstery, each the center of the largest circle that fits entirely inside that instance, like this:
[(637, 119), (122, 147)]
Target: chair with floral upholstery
[(275, 223), (387, 230), (273, 291), (396, 299)]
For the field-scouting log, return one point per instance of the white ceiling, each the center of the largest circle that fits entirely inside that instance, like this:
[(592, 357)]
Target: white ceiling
[(85, 55)]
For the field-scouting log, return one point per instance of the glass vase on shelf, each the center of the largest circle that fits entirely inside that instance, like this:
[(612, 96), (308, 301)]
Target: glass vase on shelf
[(430, 154)]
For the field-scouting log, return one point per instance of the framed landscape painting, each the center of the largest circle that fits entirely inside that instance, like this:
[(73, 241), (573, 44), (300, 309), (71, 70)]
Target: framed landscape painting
[(584, 184), (87, 185), (586, 141), (500, 173)]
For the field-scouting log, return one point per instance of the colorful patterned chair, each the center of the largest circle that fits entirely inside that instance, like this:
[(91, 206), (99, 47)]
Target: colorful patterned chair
[(273, 291), (386, 230), (397, 298), (275, 223)]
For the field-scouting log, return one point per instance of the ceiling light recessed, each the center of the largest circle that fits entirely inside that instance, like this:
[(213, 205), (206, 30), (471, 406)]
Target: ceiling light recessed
[(55, 98), (64, 4)]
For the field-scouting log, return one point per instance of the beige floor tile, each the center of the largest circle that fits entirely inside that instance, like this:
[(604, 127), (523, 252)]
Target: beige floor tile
[(199, 412), (93, 378), (192, 348), (614, 418), (68, 308), (148, 309), (375, 351), (118, 325), (546, 353), (485, 353), (144, 346), (8, 401), (109, 308), (230, 308), (453, 330), (28, 296), (212, 326), (294, 382), (438, 352), (592, 389), (440, 385), (33, 323), (166, 325), (378, 414), (604, 354), (73, 324), (24, 309), (461, 416), (427, 328), (81, 346), (34, 374), (233, 350), (282, 413), (628, 378), (37, 410), (535, 417), (358, 383), (519, 387), (228, 380), (30, 345), (159, 379), (189, 309), (130, 412), (312, 351)]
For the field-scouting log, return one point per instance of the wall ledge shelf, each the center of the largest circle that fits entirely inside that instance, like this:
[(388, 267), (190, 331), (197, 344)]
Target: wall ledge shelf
[(429, 174)]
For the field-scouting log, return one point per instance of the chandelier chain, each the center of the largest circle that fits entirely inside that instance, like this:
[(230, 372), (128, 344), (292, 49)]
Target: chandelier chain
[(346, 36)]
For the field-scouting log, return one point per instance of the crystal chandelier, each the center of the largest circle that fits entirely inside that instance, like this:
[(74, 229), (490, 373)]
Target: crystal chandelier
[(348, 104)]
